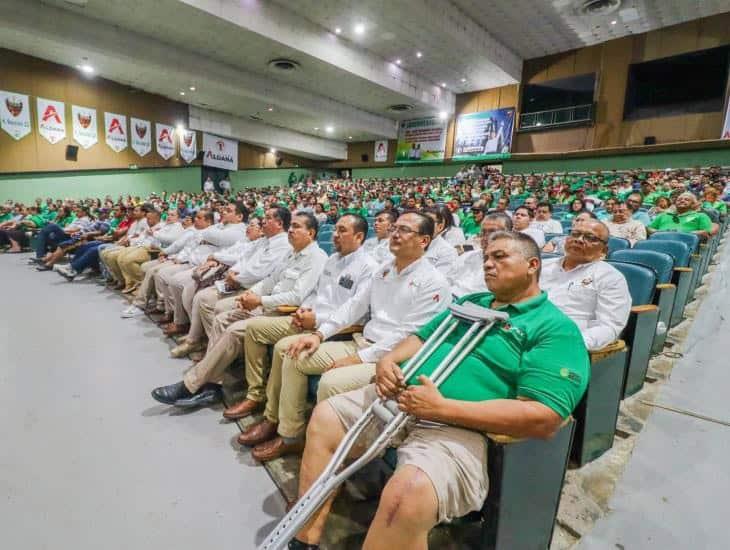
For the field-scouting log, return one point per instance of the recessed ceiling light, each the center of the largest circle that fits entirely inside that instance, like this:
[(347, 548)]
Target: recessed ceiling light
[(463, 79), (316, 128), (419, 55), (359, 28), (180, 128), (182, 93), (614, 22), (397, 61), (443, 115), (269, 108), (192, 88), (338, 30), (87, 69), (329, 129), (443, 84), (349, 137), (272, 150)]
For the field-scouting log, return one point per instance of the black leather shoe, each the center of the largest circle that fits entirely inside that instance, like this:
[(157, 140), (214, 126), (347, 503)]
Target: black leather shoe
[(169, 394), (210, 394), (43, 267), (296, 544)]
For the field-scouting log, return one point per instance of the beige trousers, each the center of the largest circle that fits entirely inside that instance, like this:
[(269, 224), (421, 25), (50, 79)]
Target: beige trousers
[(163, 280), (110, 257), (176, 287), (147, 287), (130, 262), (286, 391)]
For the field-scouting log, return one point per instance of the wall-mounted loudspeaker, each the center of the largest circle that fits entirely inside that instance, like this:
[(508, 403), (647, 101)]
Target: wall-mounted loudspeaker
[(72, 152), (279, 160), (364, 157), (650, 140), (200, 156)]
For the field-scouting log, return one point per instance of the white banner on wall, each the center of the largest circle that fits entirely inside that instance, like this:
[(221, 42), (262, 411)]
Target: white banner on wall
[(141, 133), (381, 151), (15, 114), (220, 152), (188, 147), (84, 126), (165, 139), (51, 120), (115, 128), (726, 126)]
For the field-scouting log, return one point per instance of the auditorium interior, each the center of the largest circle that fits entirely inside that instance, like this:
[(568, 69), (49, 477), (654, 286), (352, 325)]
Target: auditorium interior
[(303, 274)]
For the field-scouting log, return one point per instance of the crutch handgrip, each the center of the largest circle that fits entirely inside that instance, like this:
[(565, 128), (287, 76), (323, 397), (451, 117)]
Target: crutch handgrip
[(473, 312), (383, 413)]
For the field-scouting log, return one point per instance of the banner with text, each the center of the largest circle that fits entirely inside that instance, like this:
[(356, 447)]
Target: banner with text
[(485, 135), (421, 140), (165, 140), (15, 114), (220, 152), (84, 126), (188, 147), (116, 131), (141, 133), (381, 151), (51, 120)]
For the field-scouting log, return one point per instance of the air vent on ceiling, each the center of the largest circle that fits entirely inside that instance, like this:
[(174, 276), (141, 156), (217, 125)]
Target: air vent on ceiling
[(400, 107), (283, 65), (597, 7), (255, 117)]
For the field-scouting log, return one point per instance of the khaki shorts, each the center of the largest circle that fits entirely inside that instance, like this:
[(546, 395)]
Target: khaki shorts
[(454, 459)]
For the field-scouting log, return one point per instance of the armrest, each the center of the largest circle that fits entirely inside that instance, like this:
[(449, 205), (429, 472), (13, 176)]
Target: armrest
[(664, 286), (352, 329), (508, 439), (644, 308), (683, 269), (285, 310), (607, 351)]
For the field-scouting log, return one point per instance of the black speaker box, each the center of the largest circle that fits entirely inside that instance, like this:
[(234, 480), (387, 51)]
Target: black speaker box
[(364, 157), (650, 140), (72, 152)]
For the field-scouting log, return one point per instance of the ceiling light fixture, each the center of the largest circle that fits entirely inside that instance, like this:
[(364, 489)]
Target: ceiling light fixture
[(443, 84), (338, 30), (614, 22), (329, 129), (463, 79), (349, 137), (192, 88), (269, 108), (180, 128), (419, 55), (360, 28), (443, 115), (86, 69), (316, 128), (272, 151), (397, 61), (182, 93)]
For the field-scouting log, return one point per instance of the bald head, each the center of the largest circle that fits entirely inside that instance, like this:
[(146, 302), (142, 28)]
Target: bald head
[(586, 242)]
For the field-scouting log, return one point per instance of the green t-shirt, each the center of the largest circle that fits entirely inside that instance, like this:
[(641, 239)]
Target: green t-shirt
[(538, 354), (469, 225), (113, 224), (67, 220), (38, 220), (720, 206), (49, 215), (684, 223), (6, 217)]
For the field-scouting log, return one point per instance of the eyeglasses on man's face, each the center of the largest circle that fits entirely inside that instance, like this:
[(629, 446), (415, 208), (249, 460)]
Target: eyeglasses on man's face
[(585, 237), (403, 230)]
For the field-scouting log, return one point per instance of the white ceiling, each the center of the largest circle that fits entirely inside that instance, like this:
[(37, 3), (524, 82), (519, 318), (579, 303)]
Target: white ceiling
[(222, 47)]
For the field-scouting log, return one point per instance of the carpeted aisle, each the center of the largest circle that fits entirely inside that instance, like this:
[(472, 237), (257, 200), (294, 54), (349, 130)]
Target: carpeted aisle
[(88, 460)]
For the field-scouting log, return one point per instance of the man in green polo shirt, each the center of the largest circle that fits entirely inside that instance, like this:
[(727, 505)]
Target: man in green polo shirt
[(685, 220), (522, 380)]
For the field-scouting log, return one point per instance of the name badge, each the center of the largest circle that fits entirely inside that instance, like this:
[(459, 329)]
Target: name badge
[(346, 282)]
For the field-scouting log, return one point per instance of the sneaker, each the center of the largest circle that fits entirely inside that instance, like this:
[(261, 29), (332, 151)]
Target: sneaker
[(131, 312), (34, 260), (66, 271)]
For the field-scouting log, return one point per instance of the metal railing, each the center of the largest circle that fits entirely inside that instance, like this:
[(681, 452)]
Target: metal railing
[(577, 114)]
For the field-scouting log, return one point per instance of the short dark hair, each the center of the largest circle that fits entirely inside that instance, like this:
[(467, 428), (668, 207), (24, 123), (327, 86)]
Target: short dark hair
[(502, 217), (437, 214), (283, 215), (311, 222), (528, 246), (207, 214), (530, 211), (425, 224), (392, 214), (241, 209), (545, 204), (359, 224)]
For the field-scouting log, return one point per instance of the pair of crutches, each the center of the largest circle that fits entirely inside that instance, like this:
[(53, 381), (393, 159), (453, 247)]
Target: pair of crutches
[(386, 411)]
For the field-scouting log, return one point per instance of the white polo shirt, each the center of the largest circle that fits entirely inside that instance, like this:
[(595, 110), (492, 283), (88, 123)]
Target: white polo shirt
[(594, 295), (378, 249), (443, 256), (470, 269), (261, 260), (549, 226), (399, 304)]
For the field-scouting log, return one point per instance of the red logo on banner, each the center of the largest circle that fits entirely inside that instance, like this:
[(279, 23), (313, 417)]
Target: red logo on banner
[(51, 113), (15, 106), (141, 130), (84, 120), (115, 126), (165, 136)]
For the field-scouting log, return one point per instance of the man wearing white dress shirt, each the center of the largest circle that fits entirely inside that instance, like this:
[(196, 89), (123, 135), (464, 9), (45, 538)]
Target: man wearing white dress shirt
[(544, 221), (257, 263), (290, 284), (470, 265), (379, 245), (345, 273), (402, 296), (440, 253), (521, 221), (587, 289)]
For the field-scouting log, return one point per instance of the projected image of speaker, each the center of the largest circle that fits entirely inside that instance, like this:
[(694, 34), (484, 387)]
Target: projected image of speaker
[(72, 152)]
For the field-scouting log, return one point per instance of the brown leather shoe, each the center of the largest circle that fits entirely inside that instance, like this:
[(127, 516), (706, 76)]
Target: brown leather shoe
[(172, 329), (242, 409), (258, 433), (275, 448)]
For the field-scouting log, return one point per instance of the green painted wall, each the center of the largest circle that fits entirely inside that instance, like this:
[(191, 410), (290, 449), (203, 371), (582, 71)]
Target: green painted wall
[(422, 171), (81, 184), (265, 177), (679, 159)]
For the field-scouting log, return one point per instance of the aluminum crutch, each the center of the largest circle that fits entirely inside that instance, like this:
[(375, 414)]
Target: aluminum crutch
[(387, 412)]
